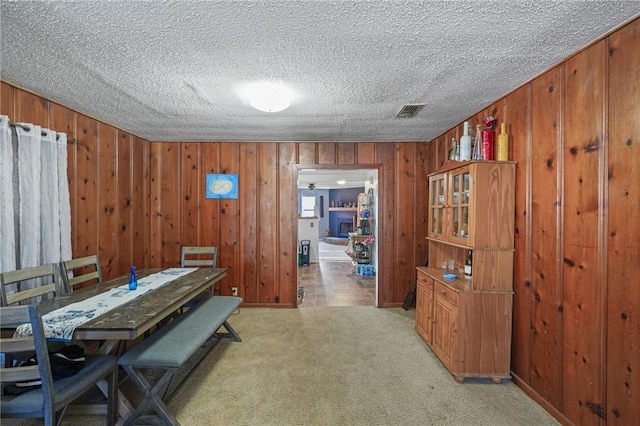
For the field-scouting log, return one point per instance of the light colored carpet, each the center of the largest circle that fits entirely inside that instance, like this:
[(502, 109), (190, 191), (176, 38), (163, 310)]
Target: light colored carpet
[(336, 366)]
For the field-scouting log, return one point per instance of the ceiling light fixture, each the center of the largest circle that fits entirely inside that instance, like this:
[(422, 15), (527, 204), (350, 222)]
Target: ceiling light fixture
[(268, 97), (342, 182)]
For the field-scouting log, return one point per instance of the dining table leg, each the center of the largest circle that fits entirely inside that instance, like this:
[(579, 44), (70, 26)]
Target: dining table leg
[(125, 408)]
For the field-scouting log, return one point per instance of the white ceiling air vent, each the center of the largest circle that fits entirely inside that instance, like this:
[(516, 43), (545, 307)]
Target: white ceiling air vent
[(409, 110)]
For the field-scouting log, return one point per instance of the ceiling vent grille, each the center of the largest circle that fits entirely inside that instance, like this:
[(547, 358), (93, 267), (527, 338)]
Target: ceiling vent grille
[(409, 110)]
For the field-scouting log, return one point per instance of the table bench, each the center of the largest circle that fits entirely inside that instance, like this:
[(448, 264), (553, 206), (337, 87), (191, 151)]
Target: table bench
[(172, 346)]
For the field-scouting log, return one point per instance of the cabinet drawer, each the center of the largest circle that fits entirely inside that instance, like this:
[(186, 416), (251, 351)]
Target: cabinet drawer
[(448, 293), (425, 281)]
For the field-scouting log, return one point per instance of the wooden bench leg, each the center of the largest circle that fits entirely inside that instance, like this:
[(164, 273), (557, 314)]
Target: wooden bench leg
[(230, 334), (151, 396)]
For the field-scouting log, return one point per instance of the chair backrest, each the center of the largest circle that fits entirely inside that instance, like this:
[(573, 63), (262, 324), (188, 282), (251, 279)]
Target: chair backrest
[(13, 284), (11, 317), (199, 256), (80, 271)]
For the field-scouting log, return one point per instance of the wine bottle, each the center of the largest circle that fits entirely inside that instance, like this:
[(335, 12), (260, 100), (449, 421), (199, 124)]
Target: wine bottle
[(503, 144), (467, 264), (465, 143)]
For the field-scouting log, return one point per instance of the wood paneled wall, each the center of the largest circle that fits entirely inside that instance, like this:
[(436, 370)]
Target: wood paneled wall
[(575, 133), (257, 234)]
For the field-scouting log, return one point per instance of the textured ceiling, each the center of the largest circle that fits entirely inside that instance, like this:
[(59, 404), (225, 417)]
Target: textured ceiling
[(170, 70)]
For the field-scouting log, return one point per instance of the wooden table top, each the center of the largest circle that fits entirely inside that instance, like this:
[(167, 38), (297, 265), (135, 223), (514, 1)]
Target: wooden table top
[(130, 320)]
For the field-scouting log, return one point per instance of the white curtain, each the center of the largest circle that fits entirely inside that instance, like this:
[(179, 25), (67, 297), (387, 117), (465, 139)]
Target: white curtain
[(7, 229), (35, 210)]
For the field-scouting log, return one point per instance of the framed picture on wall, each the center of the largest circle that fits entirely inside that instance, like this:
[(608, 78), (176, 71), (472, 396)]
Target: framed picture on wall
[(222, 186)]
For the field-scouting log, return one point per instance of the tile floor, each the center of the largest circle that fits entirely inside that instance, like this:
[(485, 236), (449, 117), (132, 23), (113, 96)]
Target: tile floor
[(331, 283)]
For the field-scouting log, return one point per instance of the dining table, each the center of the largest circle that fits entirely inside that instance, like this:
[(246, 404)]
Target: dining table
[(140, 314)]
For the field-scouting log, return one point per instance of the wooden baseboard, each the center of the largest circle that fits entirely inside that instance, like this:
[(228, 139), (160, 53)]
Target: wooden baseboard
[(540, 400)]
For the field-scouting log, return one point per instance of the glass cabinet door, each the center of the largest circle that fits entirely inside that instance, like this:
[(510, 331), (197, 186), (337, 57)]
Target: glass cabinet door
[(437, 203), (459, 196)]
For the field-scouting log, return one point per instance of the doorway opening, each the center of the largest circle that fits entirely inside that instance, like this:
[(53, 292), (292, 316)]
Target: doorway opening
[(330, 271)]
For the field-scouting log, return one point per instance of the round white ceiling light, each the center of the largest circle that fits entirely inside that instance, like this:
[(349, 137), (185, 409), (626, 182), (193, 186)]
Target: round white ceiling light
[(268, 97)]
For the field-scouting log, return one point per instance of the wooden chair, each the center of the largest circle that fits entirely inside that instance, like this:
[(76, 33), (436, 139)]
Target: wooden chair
[(50, 399), (80, 271), (12, 283), (199, 256)]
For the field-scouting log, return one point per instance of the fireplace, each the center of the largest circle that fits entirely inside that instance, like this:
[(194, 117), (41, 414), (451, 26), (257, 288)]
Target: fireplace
[(345, 226)]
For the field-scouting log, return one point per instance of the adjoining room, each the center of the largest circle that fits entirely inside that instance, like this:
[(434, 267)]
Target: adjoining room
[(336, 267)]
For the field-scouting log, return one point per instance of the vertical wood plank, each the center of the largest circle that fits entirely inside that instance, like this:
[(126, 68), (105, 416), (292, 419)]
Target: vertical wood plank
[(192, 186), (545, 353), (147, 201), (583, 385), (386, 223), (307, 153), (228, 211), (366, 153), (346, 152), (405, 193), (520, 145), (433, 156), (208, 219), (268, 231), (86, 190), (124, 184), (30, 108), (62, 119), (7, 100), (623, 236), (138, 216), (421, 202), (327, 153), (170, 251), (107, 203), (442, 149), (249, 222), (287, 281), (155, 205)]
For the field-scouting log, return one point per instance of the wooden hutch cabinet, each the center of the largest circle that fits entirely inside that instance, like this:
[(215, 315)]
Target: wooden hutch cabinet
[(466, 321)]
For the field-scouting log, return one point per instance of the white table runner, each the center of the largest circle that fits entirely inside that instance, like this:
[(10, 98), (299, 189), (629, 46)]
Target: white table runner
[(61, 323)]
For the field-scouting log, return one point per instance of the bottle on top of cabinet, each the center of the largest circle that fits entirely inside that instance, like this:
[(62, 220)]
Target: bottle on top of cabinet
[(453, 151), (503, 144), (488, 135), (477, 145), (465, 143)]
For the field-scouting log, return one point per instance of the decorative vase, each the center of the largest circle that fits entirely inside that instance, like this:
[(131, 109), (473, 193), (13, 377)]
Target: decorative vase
[(488, 136), (465, 143), (477, 145), (133, 281), (503, 144)]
